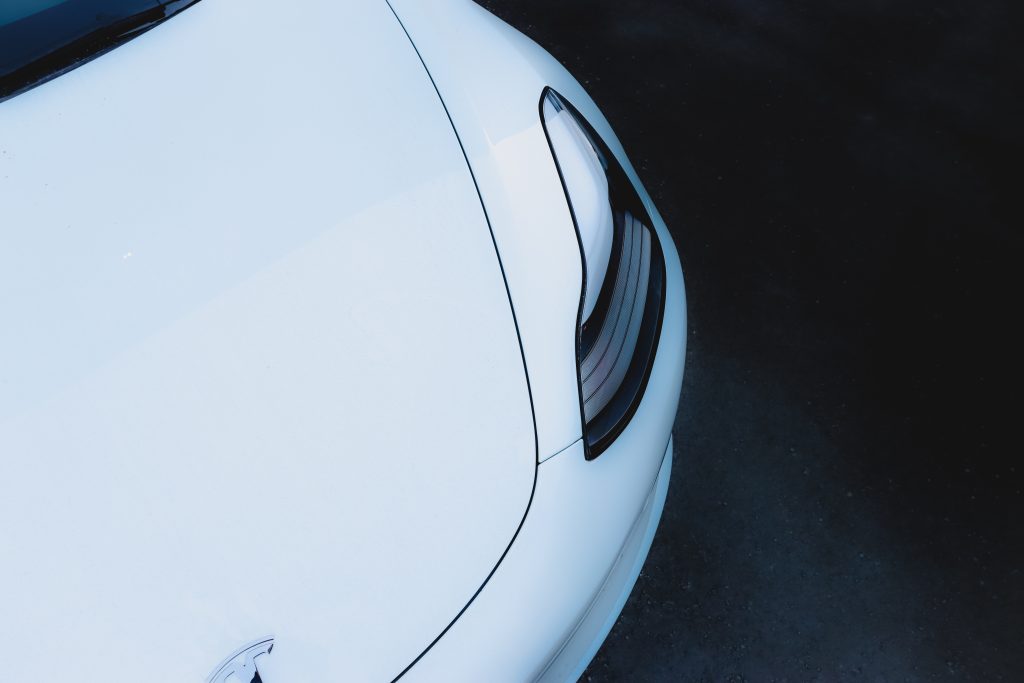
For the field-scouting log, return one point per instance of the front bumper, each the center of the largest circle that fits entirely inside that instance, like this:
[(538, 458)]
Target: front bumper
[(593, 627)]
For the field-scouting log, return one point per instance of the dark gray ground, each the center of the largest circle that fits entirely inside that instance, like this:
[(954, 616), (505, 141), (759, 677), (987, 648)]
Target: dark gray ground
[(843, 181)]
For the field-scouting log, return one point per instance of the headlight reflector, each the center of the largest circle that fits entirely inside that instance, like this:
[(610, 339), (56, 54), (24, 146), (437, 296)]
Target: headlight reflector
[(624, 275)]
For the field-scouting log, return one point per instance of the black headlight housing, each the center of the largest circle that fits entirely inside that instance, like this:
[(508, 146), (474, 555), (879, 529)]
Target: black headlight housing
[(623, 292)]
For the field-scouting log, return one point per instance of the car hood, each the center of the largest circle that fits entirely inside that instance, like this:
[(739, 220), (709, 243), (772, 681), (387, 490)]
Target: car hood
[(259, 374)]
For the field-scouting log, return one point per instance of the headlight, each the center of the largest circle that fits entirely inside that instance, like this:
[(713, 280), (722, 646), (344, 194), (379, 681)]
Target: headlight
[(623, 287)]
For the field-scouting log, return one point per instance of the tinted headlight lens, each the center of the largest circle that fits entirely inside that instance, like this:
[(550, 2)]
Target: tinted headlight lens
[(624, 275)]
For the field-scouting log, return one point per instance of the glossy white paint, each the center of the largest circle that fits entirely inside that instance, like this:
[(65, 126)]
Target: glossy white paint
[(258, 369)]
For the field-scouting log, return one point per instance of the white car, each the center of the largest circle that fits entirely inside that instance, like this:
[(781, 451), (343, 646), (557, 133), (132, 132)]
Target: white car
[(339, 341)]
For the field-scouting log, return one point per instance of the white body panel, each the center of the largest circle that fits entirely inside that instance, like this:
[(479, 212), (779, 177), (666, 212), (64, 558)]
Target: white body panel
[(258, 370), (259, 375)]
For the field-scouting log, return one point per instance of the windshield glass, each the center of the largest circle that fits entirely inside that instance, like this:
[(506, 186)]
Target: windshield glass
[(40, 39), (12, 10)]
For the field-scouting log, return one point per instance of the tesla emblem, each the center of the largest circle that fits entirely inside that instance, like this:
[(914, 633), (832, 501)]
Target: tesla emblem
[(244, 665)]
